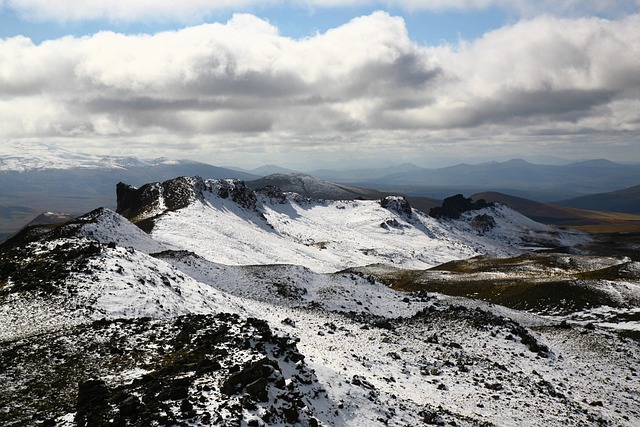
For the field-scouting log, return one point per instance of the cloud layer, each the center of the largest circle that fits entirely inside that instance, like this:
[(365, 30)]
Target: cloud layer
[(364, 86)]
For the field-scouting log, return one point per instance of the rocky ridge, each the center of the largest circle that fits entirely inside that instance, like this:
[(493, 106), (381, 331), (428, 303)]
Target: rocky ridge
[(133, 328)]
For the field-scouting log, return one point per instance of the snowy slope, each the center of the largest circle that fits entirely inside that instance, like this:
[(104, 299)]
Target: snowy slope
[(338, 347), (22, 156), (105, 226), (328, 236)]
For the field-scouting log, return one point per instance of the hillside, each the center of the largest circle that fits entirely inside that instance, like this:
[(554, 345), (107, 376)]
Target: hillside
[(320, 234), (308, 186), (238, 307), (625, 201), (594, 221)]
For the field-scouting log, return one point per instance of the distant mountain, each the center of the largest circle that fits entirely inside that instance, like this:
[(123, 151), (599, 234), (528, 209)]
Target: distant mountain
[(626, 201), (51, 218), (309, 186), (31, 156), (586, 220), (363, 175), (270, 170), (77, 183), (515, 176)]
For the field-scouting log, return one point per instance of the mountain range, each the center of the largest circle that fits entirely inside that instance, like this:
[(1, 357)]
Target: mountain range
[(516, 177), (49, 179), (205, 302), (60, 181)]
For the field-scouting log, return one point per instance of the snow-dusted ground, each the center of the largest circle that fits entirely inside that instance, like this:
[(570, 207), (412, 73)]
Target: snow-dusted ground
[(328, 236), (383, 357)]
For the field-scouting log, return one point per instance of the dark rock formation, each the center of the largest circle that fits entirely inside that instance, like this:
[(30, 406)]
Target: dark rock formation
[(236, 190), (92, 406), (454, 206), (396, 203), (139, 204), (274, 194), (135, 203)]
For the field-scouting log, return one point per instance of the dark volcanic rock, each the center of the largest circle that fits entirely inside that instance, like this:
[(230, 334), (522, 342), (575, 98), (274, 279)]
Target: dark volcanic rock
[(274, 193), (454, 206), (150, 200), (173, 388), (92, 406), (140, 203), (396, 203), (238, 192), (254, 377)]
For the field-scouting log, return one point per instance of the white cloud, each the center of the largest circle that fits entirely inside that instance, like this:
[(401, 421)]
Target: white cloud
[(186, 10), (362, 86)]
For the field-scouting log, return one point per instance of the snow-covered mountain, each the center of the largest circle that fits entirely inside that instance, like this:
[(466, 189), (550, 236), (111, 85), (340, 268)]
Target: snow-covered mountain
[(37, 177), (270, 227), (236, 307), (27, 156)]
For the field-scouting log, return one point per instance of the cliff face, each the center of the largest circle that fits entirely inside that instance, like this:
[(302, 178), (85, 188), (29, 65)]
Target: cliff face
[(150, 200), (453, 207)]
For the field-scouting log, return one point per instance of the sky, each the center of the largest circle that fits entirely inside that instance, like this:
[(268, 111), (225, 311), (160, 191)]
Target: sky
[(323, 83)]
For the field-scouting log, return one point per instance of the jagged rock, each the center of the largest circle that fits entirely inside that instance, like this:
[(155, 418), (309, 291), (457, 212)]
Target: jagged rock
[(238, 191), (274, 193), (149, 200), (186, 406), (129, 406), (261, 369), (454, 206), (396, 203), (362, 382), (258, 389), (92, 404)]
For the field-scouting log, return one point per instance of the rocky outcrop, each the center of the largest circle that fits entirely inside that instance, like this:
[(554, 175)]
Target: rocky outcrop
[(197, 369), (396, 203), (234, 189), (150, 200), (454, 206), (274, 193)]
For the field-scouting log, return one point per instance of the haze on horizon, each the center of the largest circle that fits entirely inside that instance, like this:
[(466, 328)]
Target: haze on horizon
[(319, 83)]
